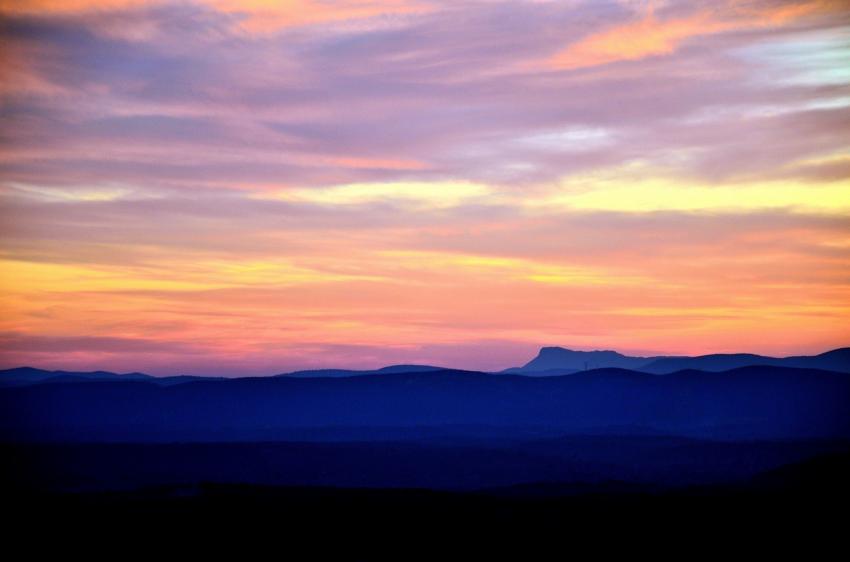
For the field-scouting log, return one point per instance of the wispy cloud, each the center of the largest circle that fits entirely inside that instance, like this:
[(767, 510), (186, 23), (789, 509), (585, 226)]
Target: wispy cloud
[(255, 187)]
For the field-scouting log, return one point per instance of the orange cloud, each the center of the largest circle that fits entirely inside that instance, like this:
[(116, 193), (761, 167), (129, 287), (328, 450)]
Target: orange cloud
[(369, 289), (66, 6), (377, 163), (650, 35), (270, 15), (261, 16)]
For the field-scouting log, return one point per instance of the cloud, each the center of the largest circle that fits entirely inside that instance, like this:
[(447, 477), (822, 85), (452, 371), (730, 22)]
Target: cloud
[(254, 15), (651, 36), (100, 344), (370, 105), (389, 181)]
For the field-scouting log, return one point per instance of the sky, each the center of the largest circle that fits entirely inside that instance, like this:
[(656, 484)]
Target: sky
[(233, 187)]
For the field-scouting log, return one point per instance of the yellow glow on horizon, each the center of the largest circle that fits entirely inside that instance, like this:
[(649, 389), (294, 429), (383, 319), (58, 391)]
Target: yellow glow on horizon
[(24, 276), (78, 193), (333, 180), (504, 269), (430, 194), (609, 192), (277, 273), (631, 188), (28, 277)]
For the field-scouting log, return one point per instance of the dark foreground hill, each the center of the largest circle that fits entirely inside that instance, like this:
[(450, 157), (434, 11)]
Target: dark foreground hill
[(791, 509), (567, 465), (405, 461), (751, 402)]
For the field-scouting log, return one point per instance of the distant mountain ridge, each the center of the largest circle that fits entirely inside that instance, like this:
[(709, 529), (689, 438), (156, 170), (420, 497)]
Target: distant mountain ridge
[(835, 360), (559, 358), (559, 361), (336, 373), (549, 362), (30, 375), (25, 375)]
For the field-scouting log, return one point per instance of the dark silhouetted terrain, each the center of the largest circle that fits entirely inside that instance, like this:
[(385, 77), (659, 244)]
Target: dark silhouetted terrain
[(746, 403), (396, 452), (558, 361), (550, 361)]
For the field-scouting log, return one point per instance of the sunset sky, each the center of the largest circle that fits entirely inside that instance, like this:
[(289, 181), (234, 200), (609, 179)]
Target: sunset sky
[(226, 187)]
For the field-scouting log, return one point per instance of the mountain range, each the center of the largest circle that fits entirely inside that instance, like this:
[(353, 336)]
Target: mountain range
[(429, 427), (560, 361), (550, 361), (748, 402)]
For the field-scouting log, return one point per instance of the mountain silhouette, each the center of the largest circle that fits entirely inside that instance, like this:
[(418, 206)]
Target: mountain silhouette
[(25, 375), (835, 360), (601, 431), (559, 360), (750, 402), (334, 373), (29, 375), (549, 362), (553, 361)]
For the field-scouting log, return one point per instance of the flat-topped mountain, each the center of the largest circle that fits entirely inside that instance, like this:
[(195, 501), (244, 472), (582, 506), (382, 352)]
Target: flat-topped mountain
[(560, 361), (559, 358)]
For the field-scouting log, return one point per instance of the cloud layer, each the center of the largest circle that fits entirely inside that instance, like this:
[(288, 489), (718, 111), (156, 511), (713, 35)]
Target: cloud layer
[(246, 188)]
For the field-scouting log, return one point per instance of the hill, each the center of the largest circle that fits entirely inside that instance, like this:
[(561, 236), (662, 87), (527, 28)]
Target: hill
[(835, 360), (557, 359), (336, 373), (769, 402), (28, 375), (554, 361)]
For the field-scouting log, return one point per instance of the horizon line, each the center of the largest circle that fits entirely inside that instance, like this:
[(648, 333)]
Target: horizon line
[(406, 364)]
